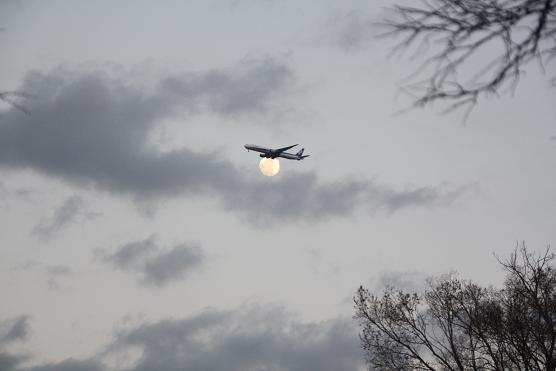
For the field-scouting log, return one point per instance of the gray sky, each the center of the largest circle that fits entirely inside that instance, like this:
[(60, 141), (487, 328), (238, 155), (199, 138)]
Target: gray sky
[(138, 234)]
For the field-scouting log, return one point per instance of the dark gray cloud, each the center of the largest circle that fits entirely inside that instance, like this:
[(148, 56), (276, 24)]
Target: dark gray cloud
[(174, 264), (155, 266), (246, 339), (72, 210), (92, 129), (15, 329), (252, 338), (130, 255), (9, 362), (300, 196)]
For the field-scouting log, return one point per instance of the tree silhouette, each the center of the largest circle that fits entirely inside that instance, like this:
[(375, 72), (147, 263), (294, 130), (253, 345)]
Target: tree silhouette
[(461, 33), (458, 325)]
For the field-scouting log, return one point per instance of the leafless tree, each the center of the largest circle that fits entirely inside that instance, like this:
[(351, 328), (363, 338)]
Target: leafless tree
[(458, 325), (463, 35)]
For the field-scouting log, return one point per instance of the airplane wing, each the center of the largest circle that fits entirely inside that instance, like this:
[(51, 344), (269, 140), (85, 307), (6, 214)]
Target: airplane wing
[(280, 150)]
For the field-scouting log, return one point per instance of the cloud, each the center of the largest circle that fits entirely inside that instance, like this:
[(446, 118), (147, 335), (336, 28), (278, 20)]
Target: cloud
[(72, 210), (252, 87), (16, 329), (9, 362), (7, 194), (172, 265), (66, 365), (3, 195), (254, 337), (91, 129), (351, 30), (14, 362), (155, 266), (301, 197), (249, 338), (54, 273), (130, 255)]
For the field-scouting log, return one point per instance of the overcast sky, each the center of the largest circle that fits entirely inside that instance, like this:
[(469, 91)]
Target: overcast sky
[(136, 233)]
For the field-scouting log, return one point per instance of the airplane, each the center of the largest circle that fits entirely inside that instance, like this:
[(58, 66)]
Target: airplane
[(278, 152)]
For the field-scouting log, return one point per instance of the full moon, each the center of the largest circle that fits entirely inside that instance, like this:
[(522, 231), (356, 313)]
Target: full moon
[(269, 166)]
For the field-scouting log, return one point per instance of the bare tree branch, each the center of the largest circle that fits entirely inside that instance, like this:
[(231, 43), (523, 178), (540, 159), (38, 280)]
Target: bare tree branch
[(463, 32)]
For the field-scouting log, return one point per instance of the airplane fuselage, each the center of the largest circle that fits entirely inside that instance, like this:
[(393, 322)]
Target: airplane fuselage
[(266, 151), (274, 153)]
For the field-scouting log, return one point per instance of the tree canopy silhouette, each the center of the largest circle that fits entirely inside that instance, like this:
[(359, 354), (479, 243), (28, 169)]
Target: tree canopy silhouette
[(459, 325), (464, 34)]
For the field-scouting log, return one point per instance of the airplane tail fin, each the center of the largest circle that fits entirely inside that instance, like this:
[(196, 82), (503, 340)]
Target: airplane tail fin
[(300, 154)]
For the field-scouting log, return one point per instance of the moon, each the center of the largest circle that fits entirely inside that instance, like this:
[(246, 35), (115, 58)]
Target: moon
[(269, 166)]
